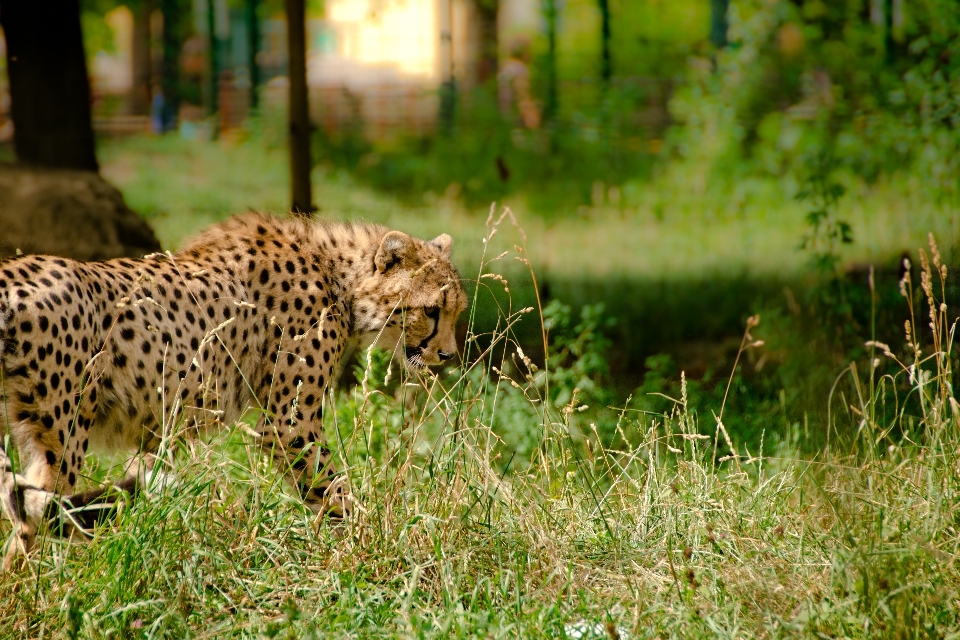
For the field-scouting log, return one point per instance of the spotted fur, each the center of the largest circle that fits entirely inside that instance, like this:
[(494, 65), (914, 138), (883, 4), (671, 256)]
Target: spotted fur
[(256, 312)]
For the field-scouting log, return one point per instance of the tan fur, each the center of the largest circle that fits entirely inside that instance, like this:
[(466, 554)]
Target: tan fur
[(255, 312)]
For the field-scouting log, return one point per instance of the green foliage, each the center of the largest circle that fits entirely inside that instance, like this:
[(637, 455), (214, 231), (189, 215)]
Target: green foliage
[(826, 231), (753, 411), (485, 157), (830, 293), (803, 77), (97, 35), (578, 354)]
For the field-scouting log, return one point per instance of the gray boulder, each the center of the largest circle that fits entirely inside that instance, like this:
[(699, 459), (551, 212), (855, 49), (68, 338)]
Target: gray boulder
[(73, 214)]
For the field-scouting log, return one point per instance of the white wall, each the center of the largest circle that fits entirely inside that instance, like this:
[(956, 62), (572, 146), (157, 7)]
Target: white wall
[(398, 34)]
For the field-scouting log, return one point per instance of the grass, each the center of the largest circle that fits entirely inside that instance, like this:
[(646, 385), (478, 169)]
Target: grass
[(673, 529), (677, 224)]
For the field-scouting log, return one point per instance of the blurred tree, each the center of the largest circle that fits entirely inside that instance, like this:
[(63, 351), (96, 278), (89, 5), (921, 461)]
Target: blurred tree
[(551, 104), (606, 65), (488, 64), (253, 36), (448, 87), (172, 13), (142, 90), (49, 86), (718, 22), (79, 215), (302, 201), (889, 55), (213, 59)]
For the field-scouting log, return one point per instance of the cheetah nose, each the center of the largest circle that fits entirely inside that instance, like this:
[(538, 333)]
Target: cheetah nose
[(443, 355)]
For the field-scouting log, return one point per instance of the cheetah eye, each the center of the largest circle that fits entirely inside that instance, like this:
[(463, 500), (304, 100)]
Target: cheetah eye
[(432, 312)]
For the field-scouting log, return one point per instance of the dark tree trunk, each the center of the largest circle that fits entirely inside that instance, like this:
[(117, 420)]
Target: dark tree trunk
[(213, 87), (49, 89), (551, 105), (253, 35), (718, 22), (170, 73), (142, 82), (488, 64), (606, 64), (448, 86), (889, 51), (299, 111)]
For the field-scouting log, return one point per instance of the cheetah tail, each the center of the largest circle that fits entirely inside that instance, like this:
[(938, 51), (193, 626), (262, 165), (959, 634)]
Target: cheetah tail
[(83, 511)]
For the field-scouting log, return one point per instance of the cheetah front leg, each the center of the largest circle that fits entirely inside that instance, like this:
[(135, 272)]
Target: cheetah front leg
[(290, 388), (300, 452)]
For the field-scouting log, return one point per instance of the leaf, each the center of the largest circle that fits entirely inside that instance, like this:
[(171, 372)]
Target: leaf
[(846, 233), (825, 261)]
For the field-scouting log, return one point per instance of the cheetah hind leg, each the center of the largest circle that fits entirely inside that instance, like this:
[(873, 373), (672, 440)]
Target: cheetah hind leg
[(18, 498), (66, 516), (80, 513)]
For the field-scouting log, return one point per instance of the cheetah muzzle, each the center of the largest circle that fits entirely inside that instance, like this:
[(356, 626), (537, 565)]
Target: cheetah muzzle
[(255, 313)]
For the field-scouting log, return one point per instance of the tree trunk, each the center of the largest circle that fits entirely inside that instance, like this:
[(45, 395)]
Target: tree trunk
[(213, 87), (141, 91), (302, 202), (253, 35), (488, 63), (170, 76), (718, 22), (49, 89), (551, 105), (448, 88), (889, 53), (606, 64)]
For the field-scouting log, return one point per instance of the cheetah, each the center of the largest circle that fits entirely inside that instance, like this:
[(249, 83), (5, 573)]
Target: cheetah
[(257, 312)]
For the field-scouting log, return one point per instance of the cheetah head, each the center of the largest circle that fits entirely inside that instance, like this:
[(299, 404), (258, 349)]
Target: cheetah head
[(412, 300)]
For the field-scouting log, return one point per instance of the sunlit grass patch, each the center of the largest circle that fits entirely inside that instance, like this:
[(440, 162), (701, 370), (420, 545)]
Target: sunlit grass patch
[(675, 226)]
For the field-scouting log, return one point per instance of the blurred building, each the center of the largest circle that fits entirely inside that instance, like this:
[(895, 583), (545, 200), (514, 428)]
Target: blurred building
[(385, 61), (381, 63), (378, 62)]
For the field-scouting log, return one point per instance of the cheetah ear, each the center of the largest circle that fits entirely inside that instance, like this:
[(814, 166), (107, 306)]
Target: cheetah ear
[(395, 248), (443, 242)]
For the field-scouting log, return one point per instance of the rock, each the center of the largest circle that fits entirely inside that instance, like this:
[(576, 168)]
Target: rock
[(73, 214)]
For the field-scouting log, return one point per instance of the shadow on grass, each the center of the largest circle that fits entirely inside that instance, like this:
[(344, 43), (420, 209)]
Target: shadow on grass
[(811, 345), (652, 316)]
